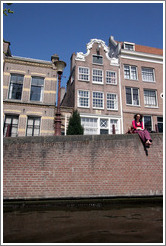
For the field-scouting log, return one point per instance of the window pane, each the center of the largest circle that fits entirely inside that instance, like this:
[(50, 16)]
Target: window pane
[(97, 59), (35, 93), (150, 98), (135, 97), (148, 74), (147, 123), (37, 81), (128, 96), (126, 72), (83, 73), (11, 125)]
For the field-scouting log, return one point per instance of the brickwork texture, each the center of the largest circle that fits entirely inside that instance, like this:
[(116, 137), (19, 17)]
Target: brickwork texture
[(82, 166)]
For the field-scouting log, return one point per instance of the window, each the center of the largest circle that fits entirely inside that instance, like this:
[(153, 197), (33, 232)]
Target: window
[(16, 84), (37, 87), (97, 76), (111, 77), (112, 101), (97, 59), (128, 46), (11, 126), (132, 96), (148, 74), (103, 126), (90, 125), (160, 124), (98, 100), (83, 98), (116, 125), (130, 72), (83, 73), (33, 126), (148, 123), (150, 98)]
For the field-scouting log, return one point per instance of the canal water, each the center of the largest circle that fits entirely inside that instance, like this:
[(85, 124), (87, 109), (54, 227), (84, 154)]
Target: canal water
[(121, 224)]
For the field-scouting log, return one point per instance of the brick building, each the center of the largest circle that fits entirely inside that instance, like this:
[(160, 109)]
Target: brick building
[(29, 95), (141, 78), (93, 89), (109, 84)]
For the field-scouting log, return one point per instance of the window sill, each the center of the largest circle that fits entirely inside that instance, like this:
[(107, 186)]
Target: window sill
[(133, 105), (156, 107)]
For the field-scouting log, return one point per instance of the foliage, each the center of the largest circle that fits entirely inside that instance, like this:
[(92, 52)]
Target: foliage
[(7, 11), (74, 127)]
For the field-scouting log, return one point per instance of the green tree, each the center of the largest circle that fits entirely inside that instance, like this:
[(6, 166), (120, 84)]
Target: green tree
[(7, 11), (74, 127)]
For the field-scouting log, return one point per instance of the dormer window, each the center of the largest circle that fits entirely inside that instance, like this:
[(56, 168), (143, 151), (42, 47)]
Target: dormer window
[(129, 46)]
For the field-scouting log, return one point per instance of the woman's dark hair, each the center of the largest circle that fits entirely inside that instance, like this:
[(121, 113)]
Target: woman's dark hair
[(135, 116)]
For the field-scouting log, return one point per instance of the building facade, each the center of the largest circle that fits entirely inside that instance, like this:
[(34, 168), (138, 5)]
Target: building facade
[(141, 78), (29, 95), (94, 90), (110, 84)]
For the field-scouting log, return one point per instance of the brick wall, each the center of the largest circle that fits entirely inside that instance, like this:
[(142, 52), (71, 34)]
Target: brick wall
[(82, 166)]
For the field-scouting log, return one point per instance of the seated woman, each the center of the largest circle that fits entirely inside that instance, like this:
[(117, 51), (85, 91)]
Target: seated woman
[(138, 128)]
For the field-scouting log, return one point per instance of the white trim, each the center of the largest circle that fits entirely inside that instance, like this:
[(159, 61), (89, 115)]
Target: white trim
[(81, 56), (121, 104), (96, 82), (98, 98), (150, 106), (116, 102), (85, 74), (157, 60), (154, 81), (79, 97), (132, 44), (132, 96), (108, 77), (130, 72)]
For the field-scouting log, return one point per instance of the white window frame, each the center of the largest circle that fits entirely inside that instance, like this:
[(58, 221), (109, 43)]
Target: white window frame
[(97, 82), (98, 99), (148, 105), (145, 80), (11, 86), (41, 92), (130, 66), (78, 97), (97, 63), (84, 74), (131, 44), (90, 126), (115, 102), (132, 96), (33, 127), (110, 77), (98, 127)]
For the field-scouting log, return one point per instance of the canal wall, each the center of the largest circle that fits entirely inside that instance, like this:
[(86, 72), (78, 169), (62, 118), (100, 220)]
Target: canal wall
[(82, 167)]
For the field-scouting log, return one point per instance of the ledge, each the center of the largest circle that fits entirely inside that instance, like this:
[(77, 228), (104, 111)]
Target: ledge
[(71, 138)]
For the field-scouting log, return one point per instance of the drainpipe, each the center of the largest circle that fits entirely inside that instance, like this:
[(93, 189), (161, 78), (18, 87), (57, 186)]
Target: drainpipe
[(121, 104)]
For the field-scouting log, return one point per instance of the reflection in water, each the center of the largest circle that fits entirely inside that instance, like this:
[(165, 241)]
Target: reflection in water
[(114, 225)]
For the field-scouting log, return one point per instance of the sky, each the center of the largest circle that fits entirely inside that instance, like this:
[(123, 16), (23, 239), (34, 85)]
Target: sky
[(40, 29)]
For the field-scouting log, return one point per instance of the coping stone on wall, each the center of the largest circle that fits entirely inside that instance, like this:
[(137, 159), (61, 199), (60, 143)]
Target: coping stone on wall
[(71, 138)]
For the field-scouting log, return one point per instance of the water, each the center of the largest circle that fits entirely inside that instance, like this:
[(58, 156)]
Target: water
[(111, 225)]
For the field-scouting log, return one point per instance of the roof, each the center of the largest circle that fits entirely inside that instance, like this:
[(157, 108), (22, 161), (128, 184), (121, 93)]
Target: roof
[(146, 49)]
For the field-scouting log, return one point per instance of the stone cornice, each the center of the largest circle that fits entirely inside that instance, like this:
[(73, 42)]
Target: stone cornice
[(29, 62)]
